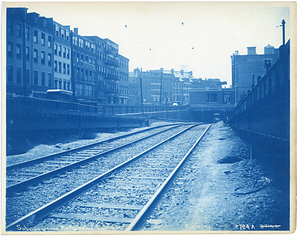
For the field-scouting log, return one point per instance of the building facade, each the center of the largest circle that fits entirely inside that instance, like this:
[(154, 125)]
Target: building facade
[(43, 55), (246, 69), (123, 79), (29, 51), (62, 57), (153, 87), (83, 67)]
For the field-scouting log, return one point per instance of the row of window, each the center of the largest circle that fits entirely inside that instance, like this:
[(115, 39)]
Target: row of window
[(62, 84), (77, 41), (61, 51), (85, 74), (39, 78), (62, 32), (36, 56), (61, 67), (85, 90), (84, 58)]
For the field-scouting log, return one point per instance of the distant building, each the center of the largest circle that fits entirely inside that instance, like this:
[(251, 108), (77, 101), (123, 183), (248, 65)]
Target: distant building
[(175, 88), (210, 104), (156, 88), (247, 69)]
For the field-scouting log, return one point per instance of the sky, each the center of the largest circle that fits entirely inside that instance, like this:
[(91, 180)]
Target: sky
[(194, 36)]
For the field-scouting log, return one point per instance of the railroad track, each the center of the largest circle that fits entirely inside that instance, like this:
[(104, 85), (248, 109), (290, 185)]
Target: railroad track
[(20, 176), (122, 196)]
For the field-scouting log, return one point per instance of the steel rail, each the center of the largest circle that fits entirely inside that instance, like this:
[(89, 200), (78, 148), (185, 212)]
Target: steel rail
[(22, 185), (140, 219), (44, 158), (43, 211)]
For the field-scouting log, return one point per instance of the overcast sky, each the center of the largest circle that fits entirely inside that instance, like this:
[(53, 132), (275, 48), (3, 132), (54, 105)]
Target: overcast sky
[(196, 36)]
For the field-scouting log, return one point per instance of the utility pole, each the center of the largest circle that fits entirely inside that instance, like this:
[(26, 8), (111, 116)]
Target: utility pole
[(283, 32), (141, 88), (161, 75)]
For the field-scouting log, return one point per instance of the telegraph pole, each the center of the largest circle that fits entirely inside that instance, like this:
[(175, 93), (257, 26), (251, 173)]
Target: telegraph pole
[(283, 32), (161, 75), (141, 88)]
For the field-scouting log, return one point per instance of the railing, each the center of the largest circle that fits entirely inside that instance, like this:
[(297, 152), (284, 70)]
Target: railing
[(14, 103)]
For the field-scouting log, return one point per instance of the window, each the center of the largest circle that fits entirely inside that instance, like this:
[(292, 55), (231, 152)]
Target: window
[(64, 52), (9, 73), (226, 98), (49, 41), (55, 66), (56, 30), (28, 76), (79, 89), (60, 84), (18, 30), (43, 58), (67, 35), (68, 69), (68, 53), (62, 33), (55, 49), (35, 78), (59, 67), (211, 98), (18, 51), (59, 50), (9, 27), (55, 83), (35, 36), (35, 55), (49, 60), (49, 80), (27, 53), (89, 90), (65, 85), (43, 79), (43, 39), (27, 33), (19, 75), (9, 49), (64, 68)]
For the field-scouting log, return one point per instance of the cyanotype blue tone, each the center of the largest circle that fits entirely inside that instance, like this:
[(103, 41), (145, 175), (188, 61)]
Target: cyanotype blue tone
[(95, 145)]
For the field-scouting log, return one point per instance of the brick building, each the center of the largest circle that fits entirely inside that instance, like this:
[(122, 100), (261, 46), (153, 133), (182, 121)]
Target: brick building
[(62, 57), (247, 68), (29, 53)]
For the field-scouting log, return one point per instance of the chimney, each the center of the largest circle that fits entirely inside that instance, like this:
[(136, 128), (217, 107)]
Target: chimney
[(181, 71), (191, 73), (76, 31), (251, 50), (236, 52), (172, 71)]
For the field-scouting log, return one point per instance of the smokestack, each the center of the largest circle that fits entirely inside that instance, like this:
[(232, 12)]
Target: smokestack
[(76, 30)]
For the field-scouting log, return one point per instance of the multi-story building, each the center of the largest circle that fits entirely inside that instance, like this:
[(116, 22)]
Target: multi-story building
[(247, 69), (83, 67), (29, 50), (123, 79), (62, 57), (181, 86), (154, 86), (43, 54)]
